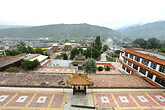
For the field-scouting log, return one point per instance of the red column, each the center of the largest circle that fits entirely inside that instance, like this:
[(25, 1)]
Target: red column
[(73, 90), (85, 89)]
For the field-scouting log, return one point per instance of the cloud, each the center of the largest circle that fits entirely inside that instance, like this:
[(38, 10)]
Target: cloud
[(111, 13)]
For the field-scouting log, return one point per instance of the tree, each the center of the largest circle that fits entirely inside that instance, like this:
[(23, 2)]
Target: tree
[(30, 65), (47, 54), (147, 45), (98, 44), (12, 69), (155, 43), (64, 56), (11, 52), (139, 42), (90, 65), (75, 51), (21, 46), (92, 52), (39, 50), (30, 50), (105, 47), (162, 50)]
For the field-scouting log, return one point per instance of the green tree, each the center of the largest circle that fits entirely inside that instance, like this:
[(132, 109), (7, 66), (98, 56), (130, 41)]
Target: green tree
[(155, 43), (75, 51), (64, 56), (140, 42), (90, 65), (47, 54), (30, 50), (38, 50), (98, 44), (105, 47), (12, 69), (21, 46), (11, 52), (162, 50), (147, 45), (30, 65)]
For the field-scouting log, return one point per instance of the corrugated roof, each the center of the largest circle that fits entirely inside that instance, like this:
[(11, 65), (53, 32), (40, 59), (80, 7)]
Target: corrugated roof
[(39, 58)]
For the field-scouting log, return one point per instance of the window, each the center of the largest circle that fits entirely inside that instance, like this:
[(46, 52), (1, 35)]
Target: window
[(131, 56), (126, 54), (153, 65), (160, 81), (129, 63), (135, 66), (145, 62), (150, 75), (125, 61), (128, 70), (143, 71), (123, 67), (162, 69), (137, 58)]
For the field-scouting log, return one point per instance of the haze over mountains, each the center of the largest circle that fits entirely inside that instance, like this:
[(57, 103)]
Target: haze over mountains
[(60, 31), (80, 31), (149, 30)]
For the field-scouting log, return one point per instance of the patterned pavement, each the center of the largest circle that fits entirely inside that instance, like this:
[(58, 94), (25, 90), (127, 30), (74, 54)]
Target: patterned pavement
[(130, 100), (31, 101), (55, 70)]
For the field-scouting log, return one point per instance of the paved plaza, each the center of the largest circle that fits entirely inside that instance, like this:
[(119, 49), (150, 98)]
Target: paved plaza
[(141, 100), (31, 101), (130, 100)]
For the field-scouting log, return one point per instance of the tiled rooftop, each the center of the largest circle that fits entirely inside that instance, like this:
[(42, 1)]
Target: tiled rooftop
[(120, 80), (6, 60), (36, 79)]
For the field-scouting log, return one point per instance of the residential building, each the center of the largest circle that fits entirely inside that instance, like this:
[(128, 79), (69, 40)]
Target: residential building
[(150, 66)]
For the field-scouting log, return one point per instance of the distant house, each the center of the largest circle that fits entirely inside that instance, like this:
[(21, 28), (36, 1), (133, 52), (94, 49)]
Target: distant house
[(41, 58), (9, 61), (67, 47), (56, 47)]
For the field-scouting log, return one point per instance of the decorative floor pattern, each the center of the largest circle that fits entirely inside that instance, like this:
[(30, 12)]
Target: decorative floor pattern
[(130, 100), (31, 101)]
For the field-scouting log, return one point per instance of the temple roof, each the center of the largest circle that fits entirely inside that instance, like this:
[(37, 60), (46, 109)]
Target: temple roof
[(79, 79), (55, 44), (79, 57)]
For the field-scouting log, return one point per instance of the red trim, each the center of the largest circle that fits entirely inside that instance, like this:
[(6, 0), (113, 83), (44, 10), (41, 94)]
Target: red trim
[(105, 64), (46, 63)]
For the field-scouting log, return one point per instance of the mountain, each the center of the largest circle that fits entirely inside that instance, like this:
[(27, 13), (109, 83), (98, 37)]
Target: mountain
[(11, 26), (155, 29), (60, 31)]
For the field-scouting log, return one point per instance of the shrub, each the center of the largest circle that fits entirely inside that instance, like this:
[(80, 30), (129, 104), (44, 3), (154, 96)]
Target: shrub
[(100, 68), (12, 69), (107, 68)]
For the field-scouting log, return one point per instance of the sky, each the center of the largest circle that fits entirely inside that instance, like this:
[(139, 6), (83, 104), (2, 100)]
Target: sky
[(108, 13)]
